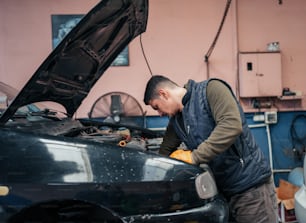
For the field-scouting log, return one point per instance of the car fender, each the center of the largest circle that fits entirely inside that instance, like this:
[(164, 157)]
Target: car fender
[(65, 211)]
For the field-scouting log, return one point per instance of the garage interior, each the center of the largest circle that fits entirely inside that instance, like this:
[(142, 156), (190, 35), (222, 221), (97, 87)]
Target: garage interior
[(238, 41)]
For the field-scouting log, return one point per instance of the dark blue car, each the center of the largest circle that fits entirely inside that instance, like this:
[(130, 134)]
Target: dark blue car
[(54, 168)]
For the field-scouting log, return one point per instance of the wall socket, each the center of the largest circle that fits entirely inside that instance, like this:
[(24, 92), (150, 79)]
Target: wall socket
[(259, 118), (271, 117)]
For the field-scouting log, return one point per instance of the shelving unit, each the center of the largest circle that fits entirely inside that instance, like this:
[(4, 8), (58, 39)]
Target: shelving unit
[(260, 74), (260, 80)]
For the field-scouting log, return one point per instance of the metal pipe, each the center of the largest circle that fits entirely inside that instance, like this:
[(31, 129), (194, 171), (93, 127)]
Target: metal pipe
[(269, 142)]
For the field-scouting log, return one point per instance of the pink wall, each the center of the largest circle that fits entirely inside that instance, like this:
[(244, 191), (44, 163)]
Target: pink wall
[(178, 35)]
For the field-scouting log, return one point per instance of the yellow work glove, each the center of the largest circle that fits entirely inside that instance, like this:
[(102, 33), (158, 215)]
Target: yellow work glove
[(184, 155)]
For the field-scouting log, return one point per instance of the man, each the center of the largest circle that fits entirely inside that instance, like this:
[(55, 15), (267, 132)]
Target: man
[(208, 119)]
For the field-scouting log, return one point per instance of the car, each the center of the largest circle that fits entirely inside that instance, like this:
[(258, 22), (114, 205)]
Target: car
[(56, 168), (300, 198), (7, 94)]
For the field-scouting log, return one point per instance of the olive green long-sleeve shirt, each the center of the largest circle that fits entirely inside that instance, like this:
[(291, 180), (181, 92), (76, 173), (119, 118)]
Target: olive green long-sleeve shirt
[(228, 126)]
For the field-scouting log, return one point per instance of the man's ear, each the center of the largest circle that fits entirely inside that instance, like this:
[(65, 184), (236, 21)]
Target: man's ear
[(163, 93)]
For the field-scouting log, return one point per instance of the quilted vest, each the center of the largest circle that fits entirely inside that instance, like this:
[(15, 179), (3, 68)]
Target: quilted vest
[(240, 167)]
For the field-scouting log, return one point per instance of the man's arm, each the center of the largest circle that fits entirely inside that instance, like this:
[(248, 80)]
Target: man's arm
[(170, 141), (228, 123)]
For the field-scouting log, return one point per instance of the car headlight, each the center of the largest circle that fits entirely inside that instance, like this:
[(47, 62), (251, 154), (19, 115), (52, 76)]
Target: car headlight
[(206, 185)]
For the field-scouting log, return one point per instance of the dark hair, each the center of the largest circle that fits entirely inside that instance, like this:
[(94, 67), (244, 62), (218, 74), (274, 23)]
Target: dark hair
[(153, 85)]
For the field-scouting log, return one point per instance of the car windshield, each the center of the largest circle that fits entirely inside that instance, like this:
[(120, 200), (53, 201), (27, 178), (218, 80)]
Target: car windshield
[(7, 95)]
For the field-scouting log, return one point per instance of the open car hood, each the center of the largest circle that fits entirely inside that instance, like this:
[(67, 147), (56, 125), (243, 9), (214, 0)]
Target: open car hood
[(75, 65)]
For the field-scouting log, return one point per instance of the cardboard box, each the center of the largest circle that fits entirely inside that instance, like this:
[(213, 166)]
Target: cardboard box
[(285, 198)]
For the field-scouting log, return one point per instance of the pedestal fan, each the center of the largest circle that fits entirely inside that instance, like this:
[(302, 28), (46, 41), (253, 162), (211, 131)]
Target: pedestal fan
[(118, 108)]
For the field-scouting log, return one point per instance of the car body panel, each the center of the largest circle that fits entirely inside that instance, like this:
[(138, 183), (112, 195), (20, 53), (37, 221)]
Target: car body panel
[(71, 70), (59, 169)]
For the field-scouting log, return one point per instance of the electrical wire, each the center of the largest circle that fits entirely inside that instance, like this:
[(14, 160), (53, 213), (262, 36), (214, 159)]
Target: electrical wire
[(298, 139), (212, 46), (144, 55), (295, 137)]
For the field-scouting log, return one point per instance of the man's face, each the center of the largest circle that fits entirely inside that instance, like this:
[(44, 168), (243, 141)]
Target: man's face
[(164, 104)]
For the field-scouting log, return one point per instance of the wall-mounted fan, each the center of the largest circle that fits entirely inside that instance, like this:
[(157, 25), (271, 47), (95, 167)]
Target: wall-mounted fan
[(118, 108)]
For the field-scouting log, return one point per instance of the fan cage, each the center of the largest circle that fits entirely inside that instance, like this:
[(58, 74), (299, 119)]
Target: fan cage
[(131, 114)]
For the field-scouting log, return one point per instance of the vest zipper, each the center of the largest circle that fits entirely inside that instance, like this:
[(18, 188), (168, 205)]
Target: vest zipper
[(241, 161)]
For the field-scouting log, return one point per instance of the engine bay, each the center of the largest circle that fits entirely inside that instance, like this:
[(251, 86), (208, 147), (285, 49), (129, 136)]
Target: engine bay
[(122, 137), (119, 134)]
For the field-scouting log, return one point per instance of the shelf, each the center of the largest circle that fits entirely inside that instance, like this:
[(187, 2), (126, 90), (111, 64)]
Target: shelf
[(287, 103), (282, 109), (256, 52), (290, 97)]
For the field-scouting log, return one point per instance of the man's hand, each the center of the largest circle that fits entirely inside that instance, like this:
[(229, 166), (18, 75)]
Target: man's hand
[(184, 155)]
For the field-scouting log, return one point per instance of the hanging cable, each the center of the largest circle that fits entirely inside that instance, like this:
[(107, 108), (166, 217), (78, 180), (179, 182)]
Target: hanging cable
[(212, 46), (144, 55), (298, 138)]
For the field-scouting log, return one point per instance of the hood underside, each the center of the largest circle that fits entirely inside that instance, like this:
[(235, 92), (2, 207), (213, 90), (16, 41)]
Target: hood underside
[(75, 65)]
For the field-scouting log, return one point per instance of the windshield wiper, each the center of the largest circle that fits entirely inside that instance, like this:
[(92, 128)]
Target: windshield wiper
[(45, 112)]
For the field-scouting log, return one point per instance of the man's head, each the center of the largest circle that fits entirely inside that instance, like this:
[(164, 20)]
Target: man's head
[(164, 95)]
